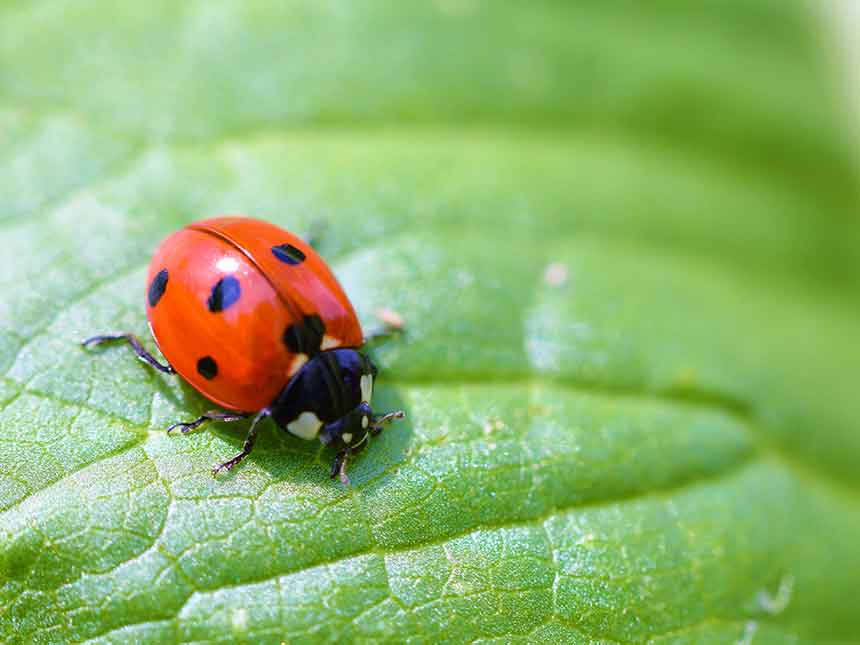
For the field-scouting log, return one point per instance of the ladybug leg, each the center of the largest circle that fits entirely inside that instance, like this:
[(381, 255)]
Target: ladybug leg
[(379, 423), (248, 446), (132, 340), (316, 232), (392, 324), (212, 415), (338, 466)]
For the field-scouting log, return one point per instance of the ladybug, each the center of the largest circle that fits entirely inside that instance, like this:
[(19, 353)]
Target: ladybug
[(254, 319)]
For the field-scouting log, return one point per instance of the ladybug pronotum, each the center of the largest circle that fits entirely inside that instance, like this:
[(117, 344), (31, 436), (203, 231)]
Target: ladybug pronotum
[(255, 321)]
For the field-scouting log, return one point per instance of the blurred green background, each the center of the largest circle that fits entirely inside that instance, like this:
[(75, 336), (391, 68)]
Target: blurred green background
[(624, 237)]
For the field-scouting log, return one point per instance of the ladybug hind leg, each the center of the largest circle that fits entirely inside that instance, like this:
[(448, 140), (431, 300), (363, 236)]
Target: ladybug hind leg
[(136, 345), (248, 446)]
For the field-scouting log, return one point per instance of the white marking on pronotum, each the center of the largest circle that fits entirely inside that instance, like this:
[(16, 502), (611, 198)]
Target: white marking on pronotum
[(365, 422), (306, 426), (298, 361), (366, 384), (329, 342), (347, 437)]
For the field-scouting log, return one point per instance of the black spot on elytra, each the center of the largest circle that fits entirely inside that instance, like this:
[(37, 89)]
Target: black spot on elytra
[(225, 292), (207, 368), (157, 287), (305, 337), (288, 253)]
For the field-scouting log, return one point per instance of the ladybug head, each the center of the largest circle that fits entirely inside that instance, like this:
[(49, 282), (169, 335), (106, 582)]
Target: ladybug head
[(350, 431)]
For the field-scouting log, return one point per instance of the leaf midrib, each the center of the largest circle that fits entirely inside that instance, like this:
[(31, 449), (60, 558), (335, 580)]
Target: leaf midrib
[(695, 399)]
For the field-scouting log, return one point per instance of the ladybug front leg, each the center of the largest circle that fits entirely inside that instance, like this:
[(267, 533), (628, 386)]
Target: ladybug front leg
[(379, 423), (212, 415), (132, 340), (248, 446), (338, 466)]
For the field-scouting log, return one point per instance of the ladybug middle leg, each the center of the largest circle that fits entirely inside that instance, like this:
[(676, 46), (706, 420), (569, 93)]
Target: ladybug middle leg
[(248, 446), (212, 415), (136, 345)]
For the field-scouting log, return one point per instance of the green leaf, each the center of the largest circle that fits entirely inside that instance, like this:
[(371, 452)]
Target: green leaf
[(623, 236)]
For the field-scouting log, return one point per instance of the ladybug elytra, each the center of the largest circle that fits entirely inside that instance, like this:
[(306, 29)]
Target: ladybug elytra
[(255, 321)]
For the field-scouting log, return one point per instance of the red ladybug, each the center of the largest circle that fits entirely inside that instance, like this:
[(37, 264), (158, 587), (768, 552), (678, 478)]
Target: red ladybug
[(256, 322)]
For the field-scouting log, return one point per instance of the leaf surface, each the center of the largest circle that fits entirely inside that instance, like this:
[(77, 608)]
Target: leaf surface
[(625, 244)]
